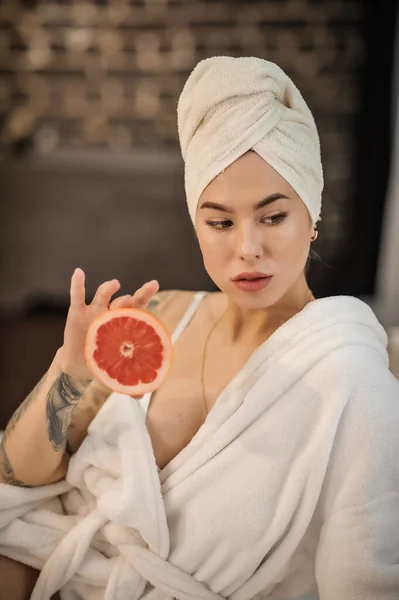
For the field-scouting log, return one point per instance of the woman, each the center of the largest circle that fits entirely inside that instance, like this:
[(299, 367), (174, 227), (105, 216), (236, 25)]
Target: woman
[(266, 466)]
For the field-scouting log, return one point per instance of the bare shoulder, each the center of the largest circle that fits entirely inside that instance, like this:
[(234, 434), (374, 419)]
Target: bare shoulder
[(170, 305), (160, 301)]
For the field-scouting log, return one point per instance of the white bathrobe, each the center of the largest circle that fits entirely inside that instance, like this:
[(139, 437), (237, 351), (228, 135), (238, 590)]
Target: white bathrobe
[(291, 484)]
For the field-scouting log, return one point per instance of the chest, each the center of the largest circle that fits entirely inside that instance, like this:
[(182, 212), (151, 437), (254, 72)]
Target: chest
[(250, 501), (177, 410)]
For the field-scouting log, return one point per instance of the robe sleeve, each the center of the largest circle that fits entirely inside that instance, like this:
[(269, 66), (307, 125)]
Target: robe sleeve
[(358, 554), (358, 551)]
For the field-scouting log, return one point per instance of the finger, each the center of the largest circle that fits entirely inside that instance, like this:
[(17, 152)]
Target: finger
[(77, 291), (142, 297), (104, 293), (121, 302)]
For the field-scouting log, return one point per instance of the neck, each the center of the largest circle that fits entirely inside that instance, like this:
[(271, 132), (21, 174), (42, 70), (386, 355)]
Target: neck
[(254, 325)]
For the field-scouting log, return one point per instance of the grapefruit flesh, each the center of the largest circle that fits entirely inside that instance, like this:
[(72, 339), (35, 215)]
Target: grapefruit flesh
[(129, 351)]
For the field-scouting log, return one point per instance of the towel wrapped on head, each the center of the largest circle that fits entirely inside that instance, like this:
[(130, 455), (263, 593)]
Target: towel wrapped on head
[(229, 106)]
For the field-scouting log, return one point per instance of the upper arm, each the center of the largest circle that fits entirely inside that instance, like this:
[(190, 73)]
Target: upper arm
[(169, 306), (160, 302)]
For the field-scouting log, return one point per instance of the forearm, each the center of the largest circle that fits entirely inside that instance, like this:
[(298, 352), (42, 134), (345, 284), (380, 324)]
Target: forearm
[(32, 451), (84, 413)]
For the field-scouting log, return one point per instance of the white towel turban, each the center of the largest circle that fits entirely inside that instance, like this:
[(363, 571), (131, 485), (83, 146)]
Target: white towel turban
[(229, 106)]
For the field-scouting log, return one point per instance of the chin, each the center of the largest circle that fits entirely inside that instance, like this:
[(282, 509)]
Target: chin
[(253, 300)]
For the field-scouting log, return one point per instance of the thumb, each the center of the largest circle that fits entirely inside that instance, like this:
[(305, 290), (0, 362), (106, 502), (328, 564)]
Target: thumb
[(121, 302)]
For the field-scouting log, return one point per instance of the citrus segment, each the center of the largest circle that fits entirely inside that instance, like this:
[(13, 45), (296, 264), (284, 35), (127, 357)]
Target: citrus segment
[(129, 351)]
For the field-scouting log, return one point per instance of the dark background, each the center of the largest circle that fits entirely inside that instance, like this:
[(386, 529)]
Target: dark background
[(91, 173)]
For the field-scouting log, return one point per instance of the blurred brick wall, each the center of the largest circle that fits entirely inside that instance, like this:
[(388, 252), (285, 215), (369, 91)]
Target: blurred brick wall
[(108, 74)]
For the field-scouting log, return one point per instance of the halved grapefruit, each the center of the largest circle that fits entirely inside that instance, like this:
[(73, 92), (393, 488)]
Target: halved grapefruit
[(129, 351)]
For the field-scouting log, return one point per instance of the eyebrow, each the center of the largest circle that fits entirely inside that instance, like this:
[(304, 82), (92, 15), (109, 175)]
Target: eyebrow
[(261, 204)]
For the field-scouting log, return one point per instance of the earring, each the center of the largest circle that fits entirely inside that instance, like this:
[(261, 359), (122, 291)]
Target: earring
[(314, 236)]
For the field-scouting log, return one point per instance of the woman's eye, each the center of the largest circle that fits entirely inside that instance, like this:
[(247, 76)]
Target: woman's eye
[(219, 224), (276, 219)]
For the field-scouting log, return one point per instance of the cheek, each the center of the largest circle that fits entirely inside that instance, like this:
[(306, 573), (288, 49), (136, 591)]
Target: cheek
[(215, 256), (212, 246), (292, 243)]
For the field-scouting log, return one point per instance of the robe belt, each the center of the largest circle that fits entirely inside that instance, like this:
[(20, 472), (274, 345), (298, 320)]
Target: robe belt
[(135, 565), (166, 578)]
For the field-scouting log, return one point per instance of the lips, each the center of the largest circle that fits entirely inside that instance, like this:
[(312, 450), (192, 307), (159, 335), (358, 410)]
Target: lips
[(252, 285), (250, 276)]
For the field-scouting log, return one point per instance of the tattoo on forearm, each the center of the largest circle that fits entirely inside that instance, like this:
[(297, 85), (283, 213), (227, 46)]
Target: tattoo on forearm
[(6, 470), (62, 398), (22, 408)]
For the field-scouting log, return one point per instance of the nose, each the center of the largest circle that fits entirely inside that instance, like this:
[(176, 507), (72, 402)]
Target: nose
[(249, 243)]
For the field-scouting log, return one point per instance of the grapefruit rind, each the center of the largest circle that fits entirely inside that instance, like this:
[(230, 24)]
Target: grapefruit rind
[(111, 383)]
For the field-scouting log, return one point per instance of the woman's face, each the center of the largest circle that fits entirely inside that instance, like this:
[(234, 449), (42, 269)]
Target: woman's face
[(236, 236)]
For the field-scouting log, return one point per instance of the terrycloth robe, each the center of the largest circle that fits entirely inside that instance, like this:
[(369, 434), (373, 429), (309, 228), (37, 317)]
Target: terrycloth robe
[(291, 484)]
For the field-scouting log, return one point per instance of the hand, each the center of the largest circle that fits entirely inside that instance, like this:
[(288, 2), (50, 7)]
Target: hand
[(80, 316)]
